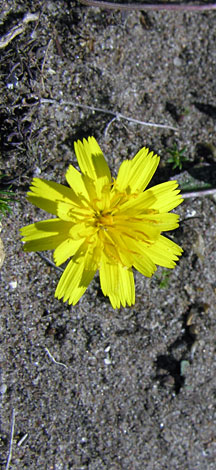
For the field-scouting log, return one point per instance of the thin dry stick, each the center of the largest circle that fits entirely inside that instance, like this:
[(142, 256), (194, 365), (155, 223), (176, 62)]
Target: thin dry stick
[(5, 40), (199, 193), (147, 6), (20, 442), (53, 359), (11, 440), (49, 261), (106, 111), (43, 63), (45, 56)]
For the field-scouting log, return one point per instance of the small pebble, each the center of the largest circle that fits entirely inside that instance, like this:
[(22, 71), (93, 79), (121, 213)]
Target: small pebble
[(13, 284), (37, 171), (177, 61), (3, 389), (190, 318), (184, 365), (107, 361)]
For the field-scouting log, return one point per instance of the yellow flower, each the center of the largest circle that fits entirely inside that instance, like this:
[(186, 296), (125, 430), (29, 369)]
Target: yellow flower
[(105, 224)]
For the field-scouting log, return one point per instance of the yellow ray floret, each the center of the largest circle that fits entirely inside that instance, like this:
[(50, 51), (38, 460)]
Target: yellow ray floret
[(105, 225)]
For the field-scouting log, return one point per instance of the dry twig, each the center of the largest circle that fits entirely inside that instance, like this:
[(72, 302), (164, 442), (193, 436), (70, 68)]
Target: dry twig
[(117, 115), (43, 63), (53, 359), (150, 6), (49, 261), (199, 193), (11, 440), (7, 38)]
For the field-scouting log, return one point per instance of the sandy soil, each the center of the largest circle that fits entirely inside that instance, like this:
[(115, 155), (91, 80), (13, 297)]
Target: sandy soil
[(134, 388)]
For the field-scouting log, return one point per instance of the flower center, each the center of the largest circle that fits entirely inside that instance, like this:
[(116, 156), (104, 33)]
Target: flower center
[(103, 219)]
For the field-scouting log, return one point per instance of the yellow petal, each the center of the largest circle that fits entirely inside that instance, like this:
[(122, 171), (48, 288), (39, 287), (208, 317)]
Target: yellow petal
[(166, 195), (117, 282), (90, 188), (44, 244), (45, 228), (144, 265), (91, 160), (139, 203), (141, 260), (164, 252), (66, 249), (136, 173), (163, 222), (46, 194), (71, 212), (121, 182), (127, 288), (45, 235), (75, 180), (138, 229), (77, 276), (81, 230), (103, 193), (114, 239), (68, 286)]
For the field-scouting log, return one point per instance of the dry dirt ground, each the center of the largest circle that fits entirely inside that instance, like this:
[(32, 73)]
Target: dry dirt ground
[(134, 388)]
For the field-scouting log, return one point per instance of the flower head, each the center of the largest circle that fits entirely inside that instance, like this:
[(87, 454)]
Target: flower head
[(105, 225)]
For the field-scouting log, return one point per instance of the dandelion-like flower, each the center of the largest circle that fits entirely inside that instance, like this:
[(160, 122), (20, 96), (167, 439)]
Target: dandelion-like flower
[(104, 224)]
